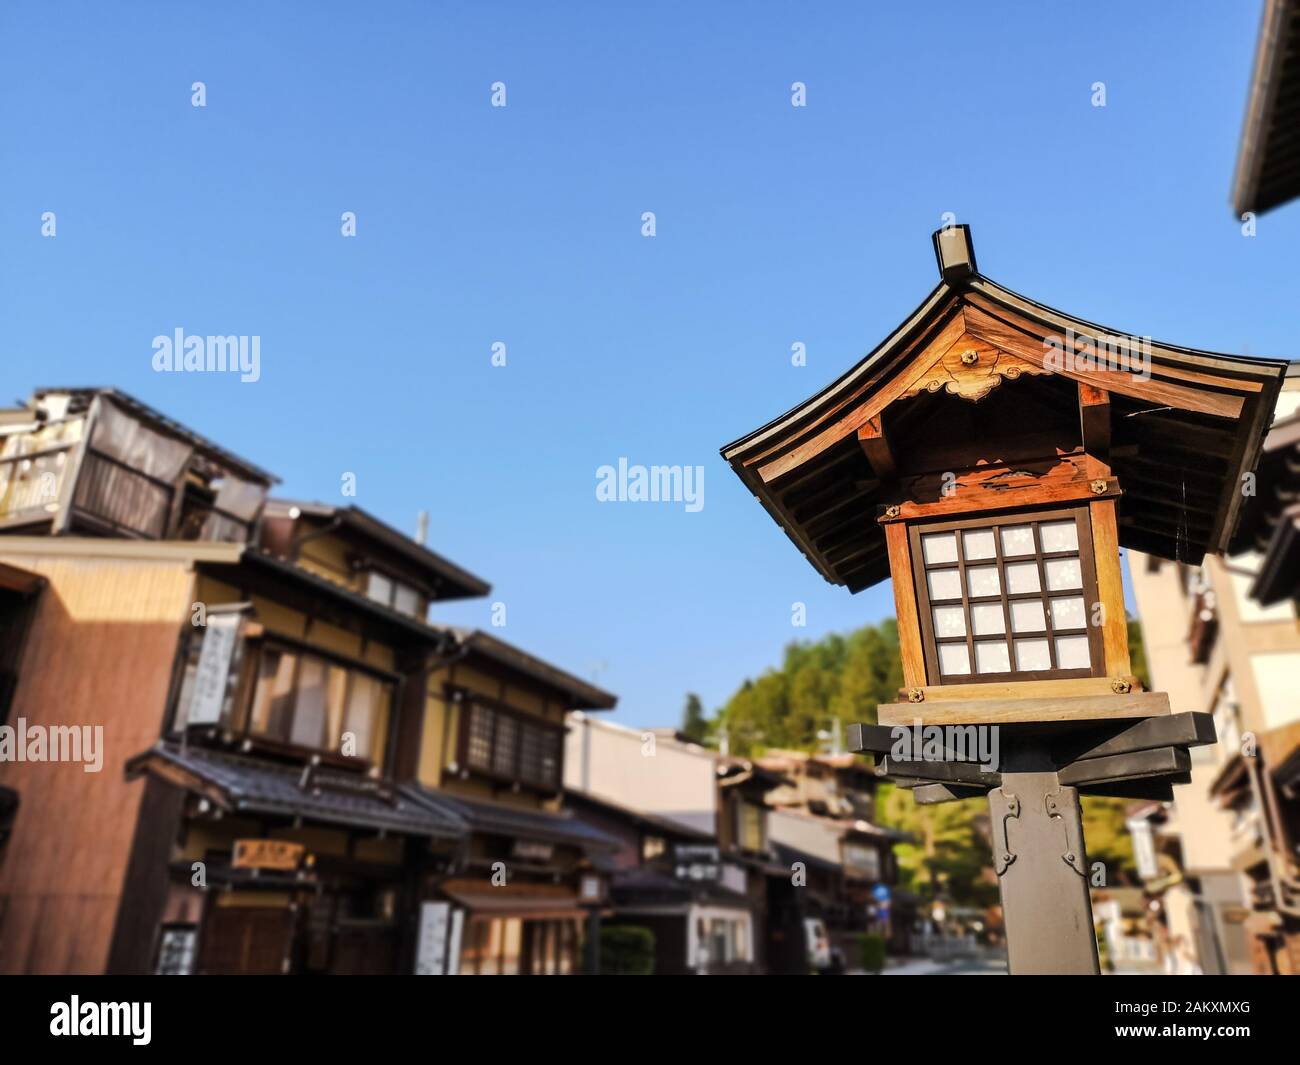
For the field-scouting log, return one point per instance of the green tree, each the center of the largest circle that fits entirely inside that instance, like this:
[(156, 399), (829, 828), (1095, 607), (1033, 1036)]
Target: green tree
[(845, 677), (695, 725), (949, 854), (842, 677), (1137, 651)]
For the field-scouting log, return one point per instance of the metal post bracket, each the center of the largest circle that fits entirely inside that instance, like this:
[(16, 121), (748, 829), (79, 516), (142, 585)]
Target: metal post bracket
[(1055, 801), (1004, 806)]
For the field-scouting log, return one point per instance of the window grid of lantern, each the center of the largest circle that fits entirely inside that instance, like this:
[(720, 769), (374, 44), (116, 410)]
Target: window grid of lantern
[(1008, 599)]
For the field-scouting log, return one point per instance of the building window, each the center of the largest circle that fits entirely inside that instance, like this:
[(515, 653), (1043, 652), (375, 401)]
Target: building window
[(394, 593), (652, 847), (512, 747), (862, 859), (176, 950), (16, 613), (718, 938), (479, 751), (1009, 598), (305, 700), (507, 946), (505, 750)]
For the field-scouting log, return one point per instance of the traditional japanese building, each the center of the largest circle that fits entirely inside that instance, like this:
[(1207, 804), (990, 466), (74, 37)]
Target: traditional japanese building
[(298, 772), (1224, 638), (824, 819), (672, 880), (734, 906)]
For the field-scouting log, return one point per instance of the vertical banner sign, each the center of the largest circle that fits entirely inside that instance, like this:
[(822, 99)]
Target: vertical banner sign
[(453, 955), (210, 678), (431, 941), (1144, 848)]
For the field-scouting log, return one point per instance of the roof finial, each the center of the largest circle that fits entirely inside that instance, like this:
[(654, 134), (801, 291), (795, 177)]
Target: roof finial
[(955, 251)]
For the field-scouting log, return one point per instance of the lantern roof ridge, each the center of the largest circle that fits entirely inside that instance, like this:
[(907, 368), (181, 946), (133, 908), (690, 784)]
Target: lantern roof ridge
[(966, 338)]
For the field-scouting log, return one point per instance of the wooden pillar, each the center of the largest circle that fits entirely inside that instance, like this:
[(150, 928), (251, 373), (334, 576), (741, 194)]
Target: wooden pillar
[(909, 625), (1110, 586)]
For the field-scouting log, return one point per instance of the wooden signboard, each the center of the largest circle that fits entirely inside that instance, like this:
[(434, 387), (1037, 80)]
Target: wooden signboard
[(266, 854)]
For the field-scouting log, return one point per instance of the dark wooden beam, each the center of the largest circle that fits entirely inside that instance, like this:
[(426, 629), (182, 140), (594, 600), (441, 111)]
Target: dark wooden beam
[(968, 773), (872, 550), (1094, 420), (1154, 763), (930, 794), (1191, 729), (875, 445), (1157, 790)]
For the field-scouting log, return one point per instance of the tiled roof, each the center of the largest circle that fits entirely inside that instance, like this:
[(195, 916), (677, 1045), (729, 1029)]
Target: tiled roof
[(498, 819), (255, 785)]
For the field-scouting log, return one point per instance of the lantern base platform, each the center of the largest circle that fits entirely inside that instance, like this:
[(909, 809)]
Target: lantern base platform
[(1025, 711), (1033, 775)]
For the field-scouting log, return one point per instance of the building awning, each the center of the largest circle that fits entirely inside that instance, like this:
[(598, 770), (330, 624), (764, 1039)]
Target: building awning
[(580, 694), (291, 585), (1268, 169), (20, 581), (1287, 775), (1276, 482), (790, 854), (656, 823), (496, 819), (644, 889), (1230, 780), (1279, 574), (453, 581), (242, 785), (531, 901)]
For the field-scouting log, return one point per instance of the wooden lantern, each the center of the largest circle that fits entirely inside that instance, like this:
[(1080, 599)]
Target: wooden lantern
[(992, 455)]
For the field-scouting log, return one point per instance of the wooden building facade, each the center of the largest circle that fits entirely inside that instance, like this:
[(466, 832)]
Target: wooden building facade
[(298, 772)]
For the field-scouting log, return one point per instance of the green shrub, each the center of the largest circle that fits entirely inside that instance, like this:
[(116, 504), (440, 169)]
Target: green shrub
[(626, 950), (871, 951)]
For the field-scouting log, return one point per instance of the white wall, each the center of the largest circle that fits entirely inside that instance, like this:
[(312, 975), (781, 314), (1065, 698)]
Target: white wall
[(642, 771)]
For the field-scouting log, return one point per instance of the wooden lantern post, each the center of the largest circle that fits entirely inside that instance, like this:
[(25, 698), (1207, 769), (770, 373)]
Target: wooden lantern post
[(991, 456)]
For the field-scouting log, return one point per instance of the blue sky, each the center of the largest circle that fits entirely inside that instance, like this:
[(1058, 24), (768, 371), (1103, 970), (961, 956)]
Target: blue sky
[(522, 224)]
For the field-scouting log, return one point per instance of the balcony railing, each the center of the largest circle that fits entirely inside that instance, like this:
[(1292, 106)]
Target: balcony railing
[(32, 484), (111, 496), (127, 500)]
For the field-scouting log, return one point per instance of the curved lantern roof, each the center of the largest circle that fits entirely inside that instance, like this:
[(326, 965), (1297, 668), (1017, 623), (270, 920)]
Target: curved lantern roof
[(1179, 428)]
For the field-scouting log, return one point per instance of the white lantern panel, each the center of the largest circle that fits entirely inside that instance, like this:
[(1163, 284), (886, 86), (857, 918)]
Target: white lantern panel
[(953, 659), (1032, 655), (1063, 573), (992, 656), (1027, 616), (949, 621), (1059, 536), (944, 584), (978, 544), (939, 547)]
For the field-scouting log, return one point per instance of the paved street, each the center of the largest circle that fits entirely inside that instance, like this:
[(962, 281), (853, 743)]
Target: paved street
[(991, 966)]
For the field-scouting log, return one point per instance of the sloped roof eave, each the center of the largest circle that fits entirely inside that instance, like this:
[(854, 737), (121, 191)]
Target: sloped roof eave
[(1269, 371), (1260, 378), (931, 307)]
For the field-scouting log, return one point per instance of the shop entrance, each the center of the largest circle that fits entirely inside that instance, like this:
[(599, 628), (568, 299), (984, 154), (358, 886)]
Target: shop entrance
[(246, 941)]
